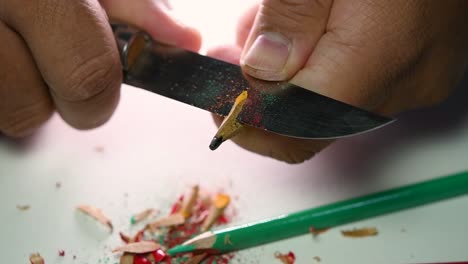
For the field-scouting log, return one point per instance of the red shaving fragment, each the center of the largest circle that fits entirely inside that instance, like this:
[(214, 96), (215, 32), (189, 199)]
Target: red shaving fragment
[(158, 255), (139, 259), (289, 258), (61, 253), (176, 206)]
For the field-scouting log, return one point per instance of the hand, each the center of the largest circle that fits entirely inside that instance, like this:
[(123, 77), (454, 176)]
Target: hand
[(384, 56), (62, 55)]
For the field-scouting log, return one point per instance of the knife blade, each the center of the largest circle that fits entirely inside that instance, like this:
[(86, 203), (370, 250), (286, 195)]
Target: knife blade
[(213, 85)]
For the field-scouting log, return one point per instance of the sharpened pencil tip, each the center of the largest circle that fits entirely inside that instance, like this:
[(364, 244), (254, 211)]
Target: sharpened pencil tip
[(216, 142)]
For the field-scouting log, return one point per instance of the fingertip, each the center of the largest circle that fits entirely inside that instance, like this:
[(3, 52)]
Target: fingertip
[(163, 26), (227, 53)]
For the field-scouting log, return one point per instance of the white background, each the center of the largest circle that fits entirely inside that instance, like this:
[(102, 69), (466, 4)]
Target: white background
[(155, 148)]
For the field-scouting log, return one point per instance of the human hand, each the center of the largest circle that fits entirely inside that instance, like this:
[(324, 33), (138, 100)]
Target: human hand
[(384, 56), (62, 55)]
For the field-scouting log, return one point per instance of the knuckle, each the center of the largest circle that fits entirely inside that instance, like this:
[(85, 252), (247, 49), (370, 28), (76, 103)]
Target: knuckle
[(92, 77), (296, 13)]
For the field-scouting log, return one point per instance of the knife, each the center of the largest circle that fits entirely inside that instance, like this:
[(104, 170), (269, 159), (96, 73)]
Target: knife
[(213, 85)]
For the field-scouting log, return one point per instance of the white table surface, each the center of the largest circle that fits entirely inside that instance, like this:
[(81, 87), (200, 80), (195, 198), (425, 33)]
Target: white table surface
[(148, 160)]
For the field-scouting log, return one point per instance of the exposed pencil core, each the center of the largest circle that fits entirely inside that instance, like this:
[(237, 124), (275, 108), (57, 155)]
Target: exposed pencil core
[(216, 142)]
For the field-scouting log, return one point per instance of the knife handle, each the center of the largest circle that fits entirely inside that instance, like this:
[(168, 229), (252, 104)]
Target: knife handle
[(130, 43)]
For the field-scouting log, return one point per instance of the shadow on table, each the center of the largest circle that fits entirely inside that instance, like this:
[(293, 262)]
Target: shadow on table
[(356, 160)]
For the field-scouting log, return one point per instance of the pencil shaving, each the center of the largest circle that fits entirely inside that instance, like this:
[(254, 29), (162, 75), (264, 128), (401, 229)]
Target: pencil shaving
[(36, 258), (23, 207), (217, 208), (189, 203), (168, 221), (127, 258), (97, 215), (141, 247), (361, 232), (289, 258), (142, 216)]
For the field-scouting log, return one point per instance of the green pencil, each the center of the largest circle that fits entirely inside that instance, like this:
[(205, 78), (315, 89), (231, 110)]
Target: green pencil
[(335, 214)]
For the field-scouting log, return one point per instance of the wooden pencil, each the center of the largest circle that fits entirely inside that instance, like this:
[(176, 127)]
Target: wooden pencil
[(335, 214), (230, 126)]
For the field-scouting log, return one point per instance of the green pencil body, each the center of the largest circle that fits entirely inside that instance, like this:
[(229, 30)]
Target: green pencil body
[(339, 213)]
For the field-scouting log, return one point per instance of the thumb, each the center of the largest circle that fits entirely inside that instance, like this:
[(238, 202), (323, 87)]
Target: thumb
[(283, 36)]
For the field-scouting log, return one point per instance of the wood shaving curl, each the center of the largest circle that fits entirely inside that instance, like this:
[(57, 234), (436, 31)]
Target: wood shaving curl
[(141, 247), (360, 232), (96, 214)]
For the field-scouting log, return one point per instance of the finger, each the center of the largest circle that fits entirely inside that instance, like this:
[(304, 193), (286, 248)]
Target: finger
[(154, 16), (245, 25), (360, 62), (75, 51), (283, 36), (228, 53), (290, 150), (24, 100)]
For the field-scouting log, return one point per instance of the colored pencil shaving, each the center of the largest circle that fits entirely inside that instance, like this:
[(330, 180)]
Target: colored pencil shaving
[(163, 232), (361, 232), (217, 209), (289, 258), (96, 214), (127, 239), (142, 216), (188, 204), (167, 221), (230, 126), (127, 258), (36, 258), (138, 247)]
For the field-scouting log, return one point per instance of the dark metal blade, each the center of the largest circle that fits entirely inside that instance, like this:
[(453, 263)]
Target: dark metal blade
[(213, 85)]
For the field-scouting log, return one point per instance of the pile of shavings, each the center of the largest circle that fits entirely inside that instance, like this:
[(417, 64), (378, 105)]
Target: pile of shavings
[(191, 215)]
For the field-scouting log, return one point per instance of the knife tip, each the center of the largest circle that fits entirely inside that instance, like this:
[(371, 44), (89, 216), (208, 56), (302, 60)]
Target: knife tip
[(216, 142)]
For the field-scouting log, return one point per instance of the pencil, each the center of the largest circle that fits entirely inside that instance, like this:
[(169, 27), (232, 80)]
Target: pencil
[(335, 214), (230, 126)]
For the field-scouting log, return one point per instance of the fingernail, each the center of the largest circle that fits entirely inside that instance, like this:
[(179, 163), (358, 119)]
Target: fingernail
[(268, 55)]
